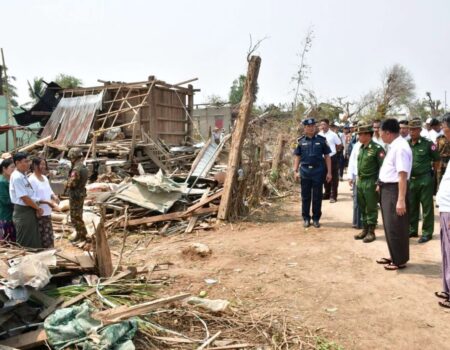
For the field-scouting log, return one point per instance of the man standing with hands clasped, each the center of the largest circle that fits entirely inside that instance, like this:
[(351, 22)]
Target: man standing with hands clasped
[(393, 186), (311, 163)]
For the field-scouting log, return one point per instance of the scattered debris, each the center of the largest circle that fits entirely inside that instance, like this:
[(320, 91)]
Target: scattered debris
[(197, 249)]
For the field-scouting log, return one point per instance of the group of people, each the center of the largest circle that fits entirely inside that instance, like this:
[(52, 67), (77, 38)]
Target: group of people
[(397, 166), (27, 200)]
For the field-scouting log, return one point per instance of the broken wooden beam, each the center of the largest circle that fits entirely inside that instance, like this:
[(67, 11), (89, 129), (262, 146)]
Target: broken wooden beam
[(238, 137), (125, 312), (168, 217), (27, 340), (102, 251), (203, 202), (35, 144)]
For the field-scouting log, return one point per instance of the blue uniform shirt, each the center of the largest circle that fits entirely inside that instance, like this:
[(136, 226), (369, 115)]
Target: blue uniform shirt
[(312, 150)]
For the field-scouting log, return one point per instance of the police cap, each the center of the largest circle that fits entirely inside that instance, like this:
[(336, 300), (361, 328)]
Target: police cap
[(309, 121)]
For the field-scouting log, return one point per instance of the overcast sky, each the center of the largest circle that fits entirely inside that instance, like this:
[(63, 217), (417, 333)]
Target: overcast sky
[(177, 40)]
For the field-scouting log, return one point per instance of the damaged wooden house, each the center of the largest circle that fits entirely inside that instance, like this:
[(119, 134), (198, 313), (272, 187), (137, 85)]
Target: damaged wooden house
[(123, 123)]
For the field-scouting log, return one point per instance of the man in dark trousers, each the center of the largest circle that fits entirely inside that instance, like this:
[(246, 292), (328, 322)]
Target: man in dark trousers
[(312, 164), (393, 185)]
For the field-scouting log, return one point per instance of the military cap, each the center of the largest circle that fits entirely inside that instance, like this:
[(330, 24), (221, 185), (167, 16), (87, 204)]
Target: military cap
[(415, 123), (74, 152), (309, 121), (347, 126), (364, 128)]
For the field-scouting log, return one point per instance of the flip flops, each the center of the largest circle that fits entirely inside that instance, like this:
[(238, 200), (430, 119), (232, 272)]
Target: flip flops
[(445, 304), (384, 261), (442, 295), (393, 267)]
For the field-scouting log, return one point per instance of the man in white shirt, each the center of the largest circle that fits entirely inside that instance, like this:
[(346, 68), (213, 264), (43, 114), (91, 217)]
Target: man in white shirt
[(404, 129), (443, 200), (26, 204), (393, 182), (426, 129), (352, 174), (376, 125), (335, 144), (435, 130)]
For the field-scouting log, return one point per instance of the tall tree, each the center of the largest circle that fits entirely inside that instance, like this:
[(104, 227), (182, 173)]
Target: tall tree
[(303, 68), (36, 89), (68, 81), (9, 87), (397, 90), (237, 90)]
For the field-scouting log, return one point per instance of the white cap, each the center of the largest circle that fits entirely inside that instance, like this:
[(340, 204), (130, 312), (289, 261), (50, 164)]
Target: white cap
[(429, 120)]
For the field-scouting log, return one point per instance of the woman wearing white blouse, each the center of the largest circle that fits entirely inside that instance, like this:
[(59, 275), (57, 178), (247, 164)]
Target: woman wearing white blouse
[(47, 201)]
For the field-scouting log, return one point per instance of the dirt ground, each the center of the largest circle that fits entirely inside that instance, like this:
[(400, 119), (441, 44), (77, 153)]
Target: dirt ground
[(321, 278)]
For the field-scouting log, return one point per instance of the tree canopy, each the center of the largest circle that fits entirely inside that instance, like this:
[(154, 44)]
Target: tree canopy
[(68, 81), (237, 90)]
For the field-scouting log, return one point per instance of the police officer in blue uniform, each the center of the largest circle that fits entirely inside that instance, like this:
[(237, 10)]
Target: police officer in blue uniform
[(312, 163)]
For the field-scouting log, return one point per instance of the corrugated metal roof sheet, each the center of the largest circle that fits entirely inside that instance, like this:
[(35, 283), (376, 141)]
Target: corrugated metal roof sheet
[(75, 115)]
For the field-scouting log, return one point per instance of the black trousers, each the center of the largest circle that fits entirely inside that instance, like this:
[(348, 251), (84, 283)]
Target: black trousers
[(331, 188), (311, 191), (396, 228)]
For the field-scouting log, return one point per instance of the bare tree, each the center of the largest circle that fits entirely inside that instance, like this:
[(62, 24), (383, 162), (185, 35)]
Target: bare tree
[(434, 105), (303, 68), (397, 90)]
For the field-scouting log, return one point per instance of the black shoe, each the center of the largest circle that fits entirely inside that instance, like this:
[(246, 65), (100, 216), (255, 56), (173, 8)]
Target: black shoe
[(413, 235), (424, 239), (316, 224), (306, 223)]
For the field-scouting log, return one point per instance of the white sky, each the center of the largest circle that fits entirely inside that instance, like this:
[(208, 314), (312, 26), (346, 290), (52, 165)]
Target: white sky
[(177, 40)]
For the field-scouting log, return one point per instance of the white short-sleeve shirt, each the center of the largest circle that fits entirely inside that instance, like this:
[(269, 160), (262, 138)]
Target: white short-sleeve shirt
[(43, 191), (352, 170), (20, 186), (332, 139), (398, 159)]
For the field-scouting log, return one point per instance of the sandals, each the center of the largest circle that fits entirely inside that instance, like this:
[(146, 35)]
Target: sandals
[(445, 304), (384, 261), (393, 267), (442, 295)]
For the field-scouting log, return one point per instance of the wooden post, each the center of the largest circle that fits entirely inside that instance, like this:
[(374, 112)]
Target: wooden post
[(102, 252), (190, 109), (278, 154), (238, 136)]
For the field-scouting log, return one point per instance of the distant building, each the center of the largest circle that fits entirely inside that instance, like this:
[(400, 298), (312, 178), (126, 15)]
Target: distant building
[(207, 117)]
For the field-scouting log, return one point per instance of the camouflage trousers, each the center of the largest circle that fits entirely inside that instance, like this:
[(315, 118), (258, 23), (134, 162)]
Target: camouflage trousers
[(76, 216)]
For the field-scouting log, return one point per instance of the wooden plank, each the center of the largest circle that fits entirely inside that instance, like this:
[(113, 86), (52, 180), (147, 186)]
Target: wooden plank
[(26, 340), (125, 312), (238, 137), (41, 113), (42, 298), (203, 202), (102, 251), (35, 144), (193, 220), (167, 217)]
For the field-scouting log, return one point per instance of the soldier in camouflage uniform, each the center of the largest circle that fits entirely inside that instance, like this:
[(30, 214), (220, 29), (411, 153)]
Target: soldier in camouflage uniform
[(76, 187)]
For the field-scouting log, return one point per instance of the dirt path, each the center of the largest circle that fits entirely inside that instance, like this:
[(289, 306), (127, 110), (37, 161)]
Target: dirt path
[(319, 277)]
